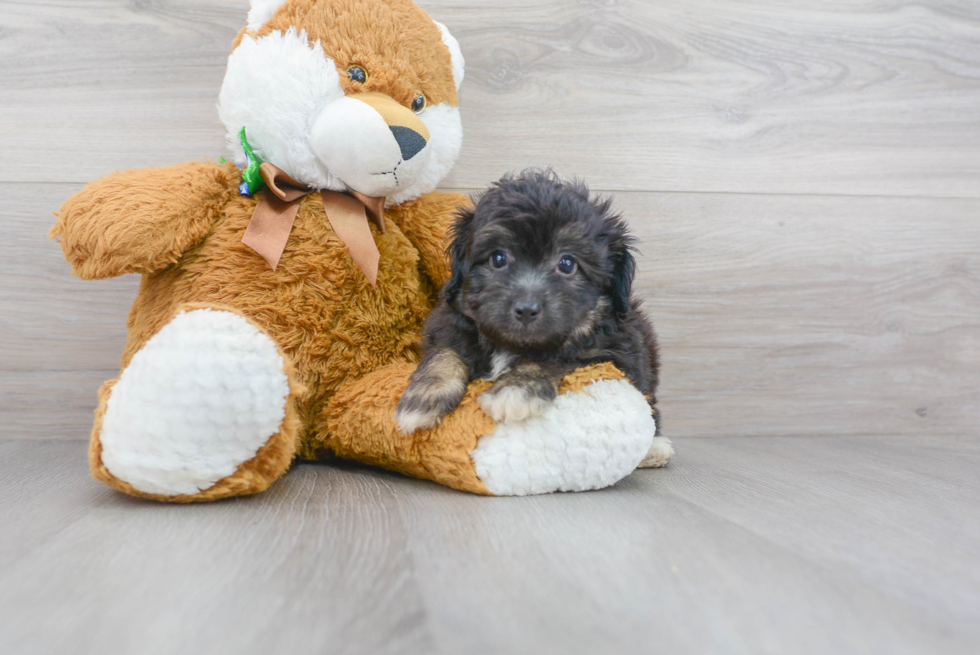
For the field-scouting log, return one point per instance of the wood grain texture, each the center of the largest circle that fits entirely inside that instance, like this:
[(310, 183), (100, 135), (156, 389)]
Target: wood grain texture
[(742, 545), (784, 315), (804, 179), (870, 97), (778, 315), (313, 563)]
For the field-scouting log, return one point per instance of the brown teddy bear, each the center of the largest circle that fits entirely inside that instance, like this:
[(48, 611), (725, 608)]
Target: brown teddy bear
[(283, 294)]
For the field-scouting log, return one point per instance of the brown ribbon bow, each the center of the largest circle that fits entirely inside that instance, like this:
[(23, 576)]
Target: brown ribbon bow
[(272, 220)]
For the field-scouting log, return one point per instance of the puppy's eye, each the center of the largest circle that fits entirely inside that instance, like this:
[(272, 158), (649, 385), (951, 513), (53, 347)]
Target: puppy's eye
[(498, 259), (567, 265), (357, 74), (418, 105)]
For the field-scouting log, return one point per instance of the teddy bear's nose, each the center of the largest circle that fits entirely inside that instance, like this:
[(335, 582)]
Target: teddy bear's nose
[(409, 141)]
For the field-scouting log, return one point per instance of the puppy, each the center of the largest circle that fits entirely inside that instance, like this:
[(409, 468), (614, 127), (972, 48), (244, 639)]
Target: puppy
[(540, 285)]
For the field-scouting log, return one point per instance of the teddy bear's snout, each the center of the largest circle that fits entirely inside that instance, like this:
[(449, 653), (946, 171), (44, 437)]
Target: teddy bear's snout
[(373, 144)]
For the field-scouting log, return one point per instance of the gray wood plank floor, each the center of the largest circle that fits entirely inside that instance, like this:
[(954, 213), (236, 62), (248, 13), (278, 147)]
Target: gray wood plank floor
[(743, 545)]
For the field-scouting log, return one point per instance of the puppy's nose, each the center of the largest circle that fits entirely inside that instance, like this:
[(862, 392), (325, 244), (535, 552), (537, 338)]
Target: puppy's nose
[(409, 141), (526, 310)]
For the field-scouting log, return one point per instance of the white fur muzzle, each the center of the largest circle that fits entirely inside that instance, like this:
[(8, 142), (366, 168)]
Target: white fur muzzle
[(354, 142)]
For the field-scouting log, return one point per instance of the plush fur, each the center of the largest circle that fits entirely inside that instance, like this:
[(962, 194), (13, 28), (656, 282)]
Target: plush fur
[(581, 441), (317, 306), (314, 358), (239, 398), (287, 84), (261, 11), (541, 285)]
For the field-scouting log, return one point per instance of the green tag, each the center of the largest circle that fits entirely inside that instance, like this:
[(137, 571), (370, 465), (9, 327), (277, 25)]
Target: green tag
[(252, 182)]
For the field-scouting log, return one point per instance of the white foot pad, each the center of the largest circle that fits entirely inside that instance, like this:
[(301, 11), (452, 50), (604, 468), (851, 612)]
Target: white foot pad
[(201, 397), (586, 440)]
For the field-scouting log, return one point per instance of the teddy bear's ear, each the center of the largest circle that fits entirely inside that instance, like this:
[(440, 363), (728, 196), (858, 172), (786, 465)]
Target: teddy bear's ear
[(261, 11), (454, 51)]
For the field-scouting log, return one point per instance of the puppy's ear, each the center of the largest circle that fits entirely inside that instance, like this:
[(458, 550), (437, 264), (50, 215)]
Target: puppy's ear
[(458, 251), (624, 267), (620, 244)]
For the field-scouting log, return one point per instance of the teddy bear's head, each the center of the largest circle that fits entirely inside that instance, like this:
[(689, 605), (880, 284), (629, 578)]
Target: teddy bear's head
[(346, 94)]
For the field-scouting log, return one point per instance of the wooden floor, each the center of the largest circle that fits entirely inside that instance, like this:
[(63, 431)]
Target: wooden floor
[(743, 545), (804, 181)]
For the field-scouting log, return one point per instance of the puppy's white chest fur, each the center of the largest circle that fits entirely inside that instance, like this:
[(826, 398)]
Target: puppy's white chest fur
[(500, 362)]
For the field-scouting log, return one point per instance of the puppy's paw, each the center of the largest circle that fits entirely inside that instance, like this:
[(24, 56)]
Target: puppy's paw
[(436, 388), (509, 403), (659, 455), (418, 410), (412, 420), (422, 406)]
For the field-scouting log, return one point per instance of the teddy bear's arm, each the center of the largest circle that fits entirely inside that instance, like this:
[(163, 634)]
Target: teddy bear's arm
[(426, 222), (139, 221)]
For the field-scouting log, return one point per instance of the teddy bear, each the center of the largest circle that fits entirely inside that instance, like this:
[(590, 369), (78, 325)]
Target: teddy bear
[(283, 292)]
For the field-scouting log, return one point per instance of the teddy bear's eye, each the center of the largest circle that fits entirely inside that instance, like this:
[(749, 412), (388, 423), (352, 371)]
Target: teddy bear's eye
[(357, 74), (498, 259), (418, 105), (567, 265)]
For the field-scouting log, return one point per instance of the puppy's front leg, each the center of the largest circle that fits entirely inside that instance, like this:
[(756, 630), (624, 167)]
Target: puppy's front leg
[(435, 389), (524, 391)]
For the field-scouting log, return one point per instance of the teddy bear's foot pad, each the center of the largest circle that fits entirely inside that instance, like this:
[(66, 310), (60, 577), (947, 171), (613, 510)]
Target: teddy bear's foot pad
[(199, 399), (585, 440)]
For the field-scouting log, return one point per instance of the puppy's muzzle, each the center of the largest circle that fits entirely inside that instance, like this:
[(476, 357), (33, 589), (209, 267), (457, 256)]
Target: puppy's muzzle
[(527, 311)]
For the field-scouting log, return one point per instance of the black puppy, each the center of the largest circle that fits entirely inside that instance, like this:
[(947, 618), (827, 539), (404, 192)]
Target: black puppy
[(541, 277)]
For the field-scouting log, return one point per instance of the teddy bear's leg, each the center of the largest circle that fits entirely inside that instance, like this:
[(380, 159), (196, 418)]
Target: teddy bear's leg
[(204, 410), (594, 434)]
